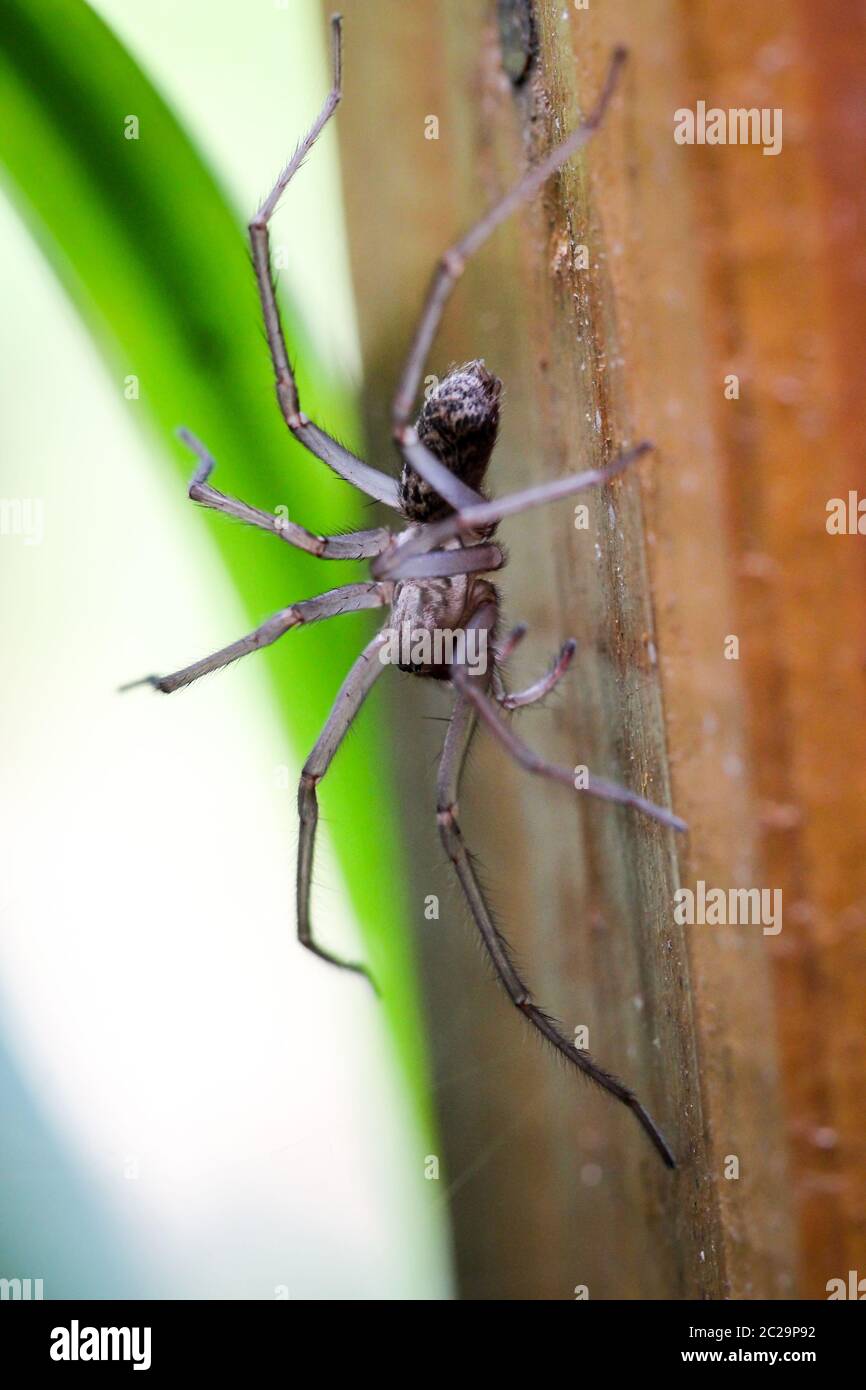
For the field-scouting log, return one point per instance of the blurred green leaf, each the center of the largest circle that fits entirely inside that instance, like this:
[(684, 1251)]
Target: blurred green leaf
[(155, 259)]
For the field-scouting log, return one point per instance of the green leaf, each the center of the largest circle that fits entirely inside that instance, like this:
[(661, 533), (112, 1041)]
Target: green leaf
[(156, 261)]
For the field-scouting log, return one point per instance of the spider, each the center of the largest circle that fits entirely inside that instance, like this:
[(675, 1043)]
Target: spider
[(431, 574)]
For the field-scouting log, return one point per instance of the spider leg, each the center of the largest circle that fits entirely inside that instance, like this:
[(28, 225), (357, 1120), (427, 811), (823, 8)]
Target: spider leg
[(485, 514), (523, 754), (348, 599), (453, 262), (369, 480), (545, 683), (351, 696), (512, 640), (501, 652), (473, 559), (355, 545), (457, 739)]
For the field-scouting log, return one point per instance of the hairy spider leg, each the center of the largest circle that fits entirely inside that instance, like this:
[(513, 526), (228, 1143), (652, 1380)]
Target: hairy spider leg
[(457, 739), (353, 545), (448, 271), (485, 514), (523, 754), (368, 480), (350, 698), (474, 559), (519, 699), (351, 598)]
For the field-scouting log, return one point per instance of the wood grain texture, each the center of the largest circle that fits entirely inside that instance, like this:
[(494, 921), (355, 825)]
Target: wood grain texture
[(785, 307), (702, 262)]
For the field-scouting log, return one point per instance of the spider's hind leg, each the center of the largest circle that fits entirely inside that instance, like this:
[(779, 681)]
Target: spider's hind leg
[(457, 740), (478, 388), (521, 752), (351, 598), (369, 480), (519, 699), (349, 700), (453, 262), (354, 545)]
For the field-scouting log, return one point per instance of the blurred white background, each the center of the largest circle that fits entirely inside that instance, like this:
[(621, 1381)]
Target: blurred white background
[(193, 1107)]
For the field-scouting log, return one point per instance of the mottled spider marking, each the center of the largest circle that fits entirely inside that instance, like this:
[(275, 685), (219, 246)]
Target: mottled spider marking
[(429, 605), (458, 423)]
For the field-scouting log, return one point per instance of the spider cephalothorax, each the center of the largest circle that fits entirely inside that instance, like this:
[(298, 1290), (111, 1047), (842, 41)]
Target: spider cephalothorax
[(430, 574), (458, 424)]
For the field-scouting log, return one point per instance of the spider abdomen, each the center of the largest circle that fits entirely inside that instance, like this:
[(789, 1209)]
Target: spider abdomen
[(458, 423)]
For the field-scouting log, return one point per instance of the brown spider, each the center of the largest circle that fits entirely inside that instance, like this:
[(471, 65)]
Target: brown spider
[(429, 573)]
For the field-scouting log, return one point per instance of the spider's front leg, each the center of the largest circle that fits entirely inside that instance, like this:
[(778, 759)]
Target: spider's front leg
[(457, 740)]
